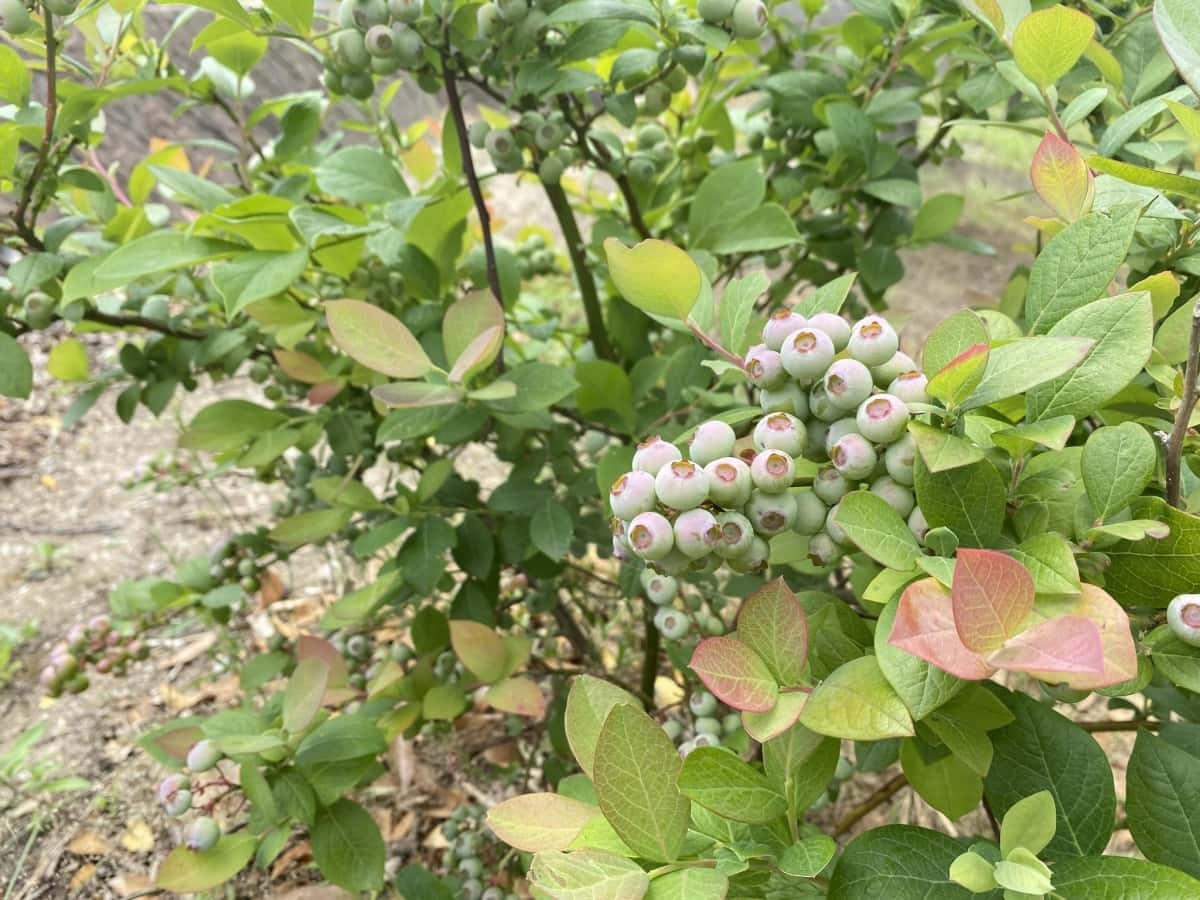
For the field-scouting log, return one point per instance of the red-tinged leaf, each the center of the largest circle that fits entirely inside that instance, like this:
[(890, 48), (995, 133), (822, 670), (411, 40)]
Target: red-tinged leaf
[(1062, 178), (308, 645), (301, 366), (735, 674), (320, 394), (466, 319), (958, 379), (539, 822), (520, 696), (771, 623), (1064, 644), (992, 594), (477, 355), (411, 394), (924, 627), (480, 649), (176, 742), (1120, 650), (376, 339)]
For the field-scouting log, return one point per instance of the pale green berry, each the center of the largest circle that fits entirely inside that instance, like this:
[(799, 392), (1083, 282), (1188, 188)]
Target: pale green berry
[(900, 363), (821, 406), (711, 440), (548, 136), (773, 471), (736, 535), (650, 135), (731, 722), (815, 445), (715, 11), (656, 99), (899, 459), (513, 10), (839, 430), (830, 485), (854, 457), (910, 387), (833, 325), (642, 169), (179, 802), (705, 739), (351, 48), (654, 453), (883, 419), (771, 514), (681, 484), (500, 143), (810, 513), (660, 589), (550, 170), (917, 524), (650, 535), (370, 12), (764, 367), (781, 324), (673, 729), (203, 756), (708, 725), (848, 383), (686, 748), (806, 353), (749, 19), (822, 550), (789, 398), (729, 482), (202, 834), (379, 41), (672, 623), (1183, 617), (407, 11), (674, 563), (696, 533), (897, 496), (873, 341), (753, 560), (702, 703), (833, 528), (631, 494), (780, 431), (488, 21), (709, 624), (14, 17)]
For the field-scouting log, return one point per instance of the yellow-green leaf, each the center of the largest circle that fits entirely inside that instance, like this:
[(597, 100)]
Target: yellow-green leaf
[(656, 277), (68, 361), (1048, 43)]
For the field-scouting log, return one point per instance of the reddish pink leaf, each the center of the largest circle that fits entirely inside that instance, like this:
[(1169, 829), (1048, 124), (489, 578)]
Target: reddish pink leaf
[(1061, 178), (301, 366), (771, 623), (924, 627), (1062, 644), (735, 674), (1120, 651), (177, 741), (320, 394), (519, 696), (958, 379), (308, 645), (992, 595)]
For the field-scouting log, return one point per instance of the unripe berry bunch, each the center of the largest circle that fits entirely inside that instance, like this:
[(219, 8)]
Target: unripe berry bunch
[(181, 792), (707, 723), (96, 646), (673, 622), (474, 855)]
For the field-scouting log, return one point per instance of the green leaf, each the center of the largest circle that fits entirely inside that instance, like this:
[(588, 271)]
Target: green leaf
[(946, 783), (1163, 803), (771, 622), (1029, 823), (635, 772), (656, 277), (16, 78), (537, 822), (255, 276), (1150, 572), (16, 371), (376, 339), (877, 530), (304, 693), (227, 424), (443, 703), (1174, 335), (1019, 365), (726, 195), (1077, 266), (969, 500), (588, 704), (551, 528), (1178, 24), (737, 308), (1024, 874), (858, 703), (900, 862), (159, 251), (800, 764), (941, 450), (68, 361), (1050, 560), (361, 175), (1167, 182), (829, 297), (1048, 43), (923, 687), (808, 858), (296, 13), (1052, 434), (187, 871), (1108, 877), (689, 884), (587, 874), (973, 872), (1029, 755), (341, 738), (309, 527), (538, 385), (951, 338), (1118, 462), (767, 228), (961, 376), (466, 319), (723, 784), (937, 217), (347, 847), (605, 387)]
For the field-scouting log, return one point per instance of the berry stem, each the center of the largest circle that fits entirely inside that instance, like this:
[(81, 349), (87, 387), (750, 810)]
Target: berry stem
[(715, 345), (25, 228), (650, 655), (1184, 414)]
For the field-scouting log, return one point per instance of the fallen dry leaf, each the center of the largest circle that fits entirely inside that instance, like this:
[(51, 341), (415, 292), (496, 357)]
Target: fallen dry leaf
[(89, 843), (138, 838), (83, 876), (193, 649), (298, 852), (272, 589), (404, 762), (313, 892), (130, 883)]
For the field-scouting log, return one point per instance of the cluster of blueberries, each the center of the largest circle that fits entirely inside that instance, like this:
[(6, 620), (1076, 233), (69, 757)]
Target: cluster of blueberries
[(177, 793), (96, 645)]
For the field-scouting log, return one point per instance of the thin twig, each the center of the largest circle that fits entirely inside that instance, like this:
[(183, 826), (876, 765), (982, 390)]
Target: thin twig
[(1052, 113), (28, 230), (101, 318), (650, 655), (1184, 414), (1123, 725), (881, 795), (892, 65), (583, 273)]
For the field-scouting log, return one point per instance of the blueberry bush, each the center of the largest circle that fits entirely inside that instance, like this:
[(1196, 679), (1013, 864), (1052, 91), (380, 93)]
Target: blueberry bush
[(648, 475)]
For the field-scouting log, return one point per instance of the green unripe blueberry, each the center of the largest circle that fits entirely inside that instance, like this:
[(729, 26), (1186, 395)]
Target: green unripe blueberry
[(488, 21), (715, 11), (806, 353), (702, 703), (822, 550), (810, 513), (729, 482), (548, 137), (681, 484), (675, 79), (650, 134), (407, 11), (656, 99), (179, 802), (671, 623), (407, 45), (654, 453), (854, 457), (833, 325), (370, 12), (249, 585), (379, 41), (358, 647), (696, 533), (692, 57), (550, 170), (820, 406), (400, 652), (873, 341), (513, 10), (764, 367), (917, 524), (203, 756), (708, 725), (642, 169), (673, 729), (777, 129), (899, 459), (500, 143), (749, 19), (900, 363), (833, 529), (471, 867), (171, 785), (705, 143), (351, 49), (711, 441), (650, 535), (754, 559), (359, 85), (631, 494), (771, 514), (838, 430), (14, 17), (660, 589), (1183, 617), (896, 495), (202, 834), (910, 387), (60, 7), (705, 739), (782, 324), (848, 383), (38, 309), (789, 398), (780, 431), (674, 563), (731, 722), (882, 419), (477, 133), (737, 533), (773, 471)]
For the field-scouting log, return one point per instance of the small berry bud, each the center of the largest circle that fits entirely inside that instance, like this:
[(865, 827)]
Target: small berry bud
[(712, 440), (910, 387), (833, 325), (764, 367), (202, 834), (782, 323), (749, 19), (736, 535), (807, 353), (899, 459), (790, 398), (896, 495), (650, 535), (821, 406), (729, 482), (838, 430), (773, 471), (754, 559), (810, 513), (848, 383), (702, 703), (681, 484), (708, 725), (917, 524), (660, 589), (179, 803), (654, 453), (1183, 616), (171, 785), (203, 756), (887, 373), (854, 457), (822, 551), (883, 419), (696, 533), (771, 513), (672, 623), (674, 563), (830, 485), (705, 740), (780, 431), (873, 341), (673, 729), (631, 494)]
